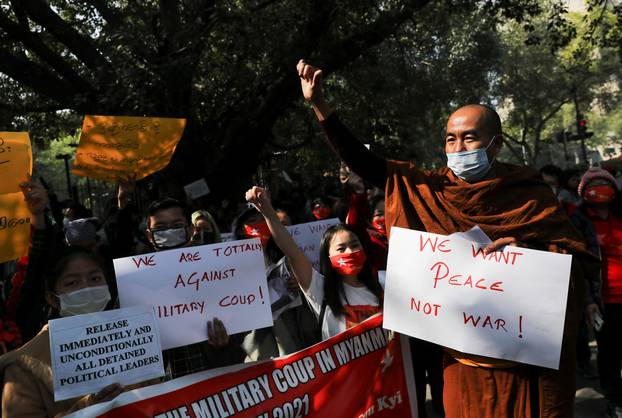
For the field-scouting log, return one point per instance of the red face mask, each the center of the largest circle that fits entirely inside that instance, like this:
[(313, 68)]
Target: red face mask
[(260, 231), (379, 225), (348, 264), (321, 212), (602, 193)]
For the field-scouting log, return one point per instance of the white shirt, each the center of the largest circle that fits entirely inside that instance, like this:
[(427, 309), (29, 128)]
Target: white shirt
[(359, 302)]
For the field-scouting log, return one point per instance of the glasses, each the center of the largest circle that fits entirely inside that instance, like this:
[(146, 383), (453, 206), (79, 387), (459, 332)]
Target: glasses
[(177, 225)]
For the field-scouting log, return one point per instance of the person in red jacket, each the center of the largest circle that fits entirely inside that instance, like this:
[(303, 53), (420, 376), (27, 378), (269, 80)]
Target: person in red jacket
[(600, 220), (375, 237)]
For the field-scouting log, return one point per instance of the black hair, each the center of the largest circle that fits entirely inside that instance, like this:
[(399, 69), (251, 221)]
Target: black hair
[(322, 201), (373, 202), (79, 210), (553, 170), (67, 256), (272, 250), (567, 175), (333, 284), (237, 228), (167, 203)]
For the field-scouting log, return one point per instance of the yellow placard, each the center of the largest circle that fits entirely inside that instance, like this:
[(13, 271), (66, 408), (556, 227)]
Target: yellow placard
[(15, 160), (113, 147), (14, 226)]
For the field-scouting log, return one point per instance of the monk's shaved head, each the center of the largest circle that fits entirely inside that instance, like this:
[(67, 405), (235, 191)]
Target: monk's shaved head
[(472, 127), (489, 120)]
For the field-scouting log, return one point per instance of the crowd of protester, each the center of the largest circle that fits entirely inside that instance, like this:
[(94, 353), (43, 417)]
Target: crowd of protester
[(69, 271)]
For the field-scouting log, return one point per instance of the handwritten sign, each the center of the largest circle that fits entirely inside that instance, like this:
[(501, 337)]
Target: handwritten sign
[(197, 189), (508, 304), (14, 226), (308, 237), (92, 351), (15, 160), (189, 286), (113, 147)]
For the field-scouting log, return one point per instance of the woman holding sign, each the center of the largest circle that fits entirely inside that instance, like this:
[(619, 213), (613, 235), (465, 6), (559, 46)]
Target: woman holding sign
[(344, 292), (77, 285)]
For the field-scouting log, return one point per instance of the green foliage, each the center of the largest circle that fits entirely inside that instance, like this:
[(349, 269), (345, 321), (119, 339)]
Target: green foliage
[(535, 83), (395, 70)]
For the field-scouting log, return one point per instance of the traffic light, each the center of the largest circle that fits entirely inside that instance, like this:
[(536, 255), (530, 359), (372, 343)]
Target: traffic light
[(582, 128)]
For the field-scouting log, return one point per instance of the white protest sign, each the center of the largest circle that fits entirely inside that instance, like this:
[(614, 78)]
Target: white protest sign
[(508, 304), (189, 286), (92, 351), (226, 236), (197, 189), (308, 236)]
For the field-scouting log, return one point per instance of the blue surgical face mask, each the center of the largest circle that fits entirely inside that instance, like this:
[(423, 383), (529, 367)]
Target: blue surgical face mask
[(470, 165)]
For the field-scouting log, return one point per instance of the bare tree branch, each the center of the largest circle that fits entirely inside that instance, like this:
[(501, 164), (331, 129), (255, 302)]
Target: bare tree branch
[(517, 155), (33, 42), (83, 47), (262, 5), (540, 126), (31, 108), (37, 77), (110, 15)]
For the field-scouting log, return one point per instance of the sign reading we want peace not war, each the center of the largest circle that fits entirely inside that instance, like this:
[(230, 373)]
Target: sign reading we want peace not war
[(509, 304)]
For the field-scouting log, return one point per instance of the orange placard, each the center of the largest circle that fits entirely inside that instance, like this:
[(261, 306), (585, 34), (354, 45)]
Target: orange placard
[(15, 160), (113, 147), (14, 226)]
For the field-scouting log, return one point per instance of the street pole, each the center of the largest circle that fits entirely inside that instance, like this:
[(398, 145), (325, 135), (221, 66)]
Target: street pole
[(578, 121), (66, 158)]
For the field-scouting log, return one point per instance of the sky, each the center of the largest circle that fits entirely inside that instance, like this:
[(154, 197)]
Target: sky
[(576, 5)]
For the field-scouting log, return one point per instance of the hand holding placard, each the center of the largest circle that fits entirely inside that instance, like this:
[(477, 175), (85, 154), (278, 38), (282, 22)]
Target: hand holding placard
[(508, 304), (15, 160), (189, 286), (93, 351), (113, 147)]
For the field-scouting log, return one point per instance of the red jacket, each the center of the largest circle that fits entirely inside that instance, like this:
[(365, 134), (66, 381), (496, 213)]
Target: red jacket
[(376, 245)]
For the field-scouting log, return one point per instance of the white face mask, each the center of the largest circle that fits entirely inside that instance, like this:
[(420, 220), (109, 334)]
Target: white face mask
[(470, 165), (83, 301), (170, 238)]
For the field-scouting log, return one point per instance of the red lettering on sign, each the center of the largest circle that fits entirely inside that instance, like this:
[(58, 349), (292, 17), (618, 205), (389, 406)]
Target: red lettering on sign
[(146, 261), (188, 257), (434, 244), (428, 308), (502, 257), (474, 320), (442, 272)]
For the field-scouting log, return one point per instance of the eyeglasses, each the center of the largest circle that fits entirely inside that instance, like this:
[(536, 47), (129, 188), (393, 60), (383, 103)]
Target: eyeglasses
[(177, 225)]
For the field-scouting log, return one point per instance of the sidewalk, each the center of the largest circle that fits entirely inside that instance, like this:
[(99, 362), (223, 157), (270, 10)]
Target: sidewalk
[(589, 401)]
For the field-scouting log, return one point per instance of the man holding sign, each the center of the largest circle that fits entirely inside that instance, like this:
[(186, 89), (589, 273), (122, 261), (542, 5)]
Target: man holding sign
[(168, 227), (511, 204)]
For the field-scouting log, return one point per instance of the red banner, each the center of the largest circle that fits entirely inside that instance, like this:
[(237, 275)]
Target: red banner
[(363, 372)]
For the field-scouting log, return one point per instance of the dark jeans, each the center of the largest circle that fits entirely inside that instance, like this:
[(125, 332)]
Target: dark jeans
[(428, 357), (583, 343), (610, 353)]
